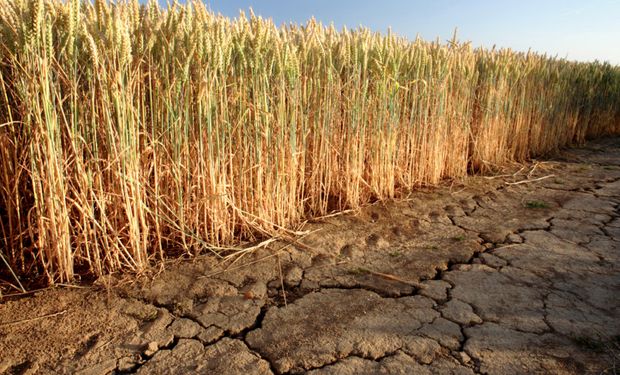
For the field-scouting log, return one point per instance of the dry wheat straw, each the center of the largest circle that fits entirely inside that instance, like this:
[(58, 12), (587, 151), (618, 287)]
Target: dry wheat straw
[(130, 132)]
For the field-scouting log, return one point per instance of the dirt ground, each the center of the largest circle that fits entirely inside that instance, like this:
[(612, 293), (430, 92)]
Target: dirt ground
[(512, 274)]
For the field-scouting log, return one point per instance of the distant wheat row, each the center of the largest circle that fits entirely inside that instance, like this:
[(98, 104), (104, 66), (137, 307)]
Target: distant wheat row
[(131, 132)]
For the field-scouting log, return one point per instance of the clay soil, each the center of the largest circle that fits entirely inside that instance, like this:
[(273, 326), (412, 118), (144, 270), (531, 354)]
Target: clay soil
[(513, 274)]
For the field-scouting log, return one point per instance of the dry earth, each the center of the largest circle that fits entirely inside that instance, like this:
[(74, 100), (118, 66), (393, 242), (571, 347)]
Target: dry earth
[(485, 277)]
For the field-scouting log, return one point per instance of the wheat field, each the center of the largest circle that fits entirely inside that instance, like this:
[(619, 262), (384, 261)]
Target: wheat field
[(129, 133)]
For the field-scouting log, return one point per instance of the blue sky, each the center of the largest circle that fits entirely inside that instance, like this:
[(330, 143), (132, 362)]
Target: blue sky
[(581, 30)]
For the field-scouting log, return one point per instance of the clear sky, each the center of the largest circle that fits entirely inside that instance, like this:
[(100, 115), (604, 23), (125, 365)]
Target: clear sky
[(581, 30)]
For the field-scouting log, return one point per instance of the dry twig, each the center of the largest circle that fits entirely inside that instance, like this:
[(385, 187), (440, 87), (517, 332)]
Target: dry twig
[(528, 181), (21, 321)]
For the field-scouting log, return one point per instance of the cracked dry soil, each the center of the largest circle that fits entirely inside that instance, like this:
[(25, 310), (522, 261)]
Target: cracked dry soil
[(489, 277)]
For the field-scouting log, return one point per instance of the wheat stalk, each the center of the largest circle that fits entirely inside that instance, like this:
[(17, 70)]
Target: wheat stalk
[(134, 132)]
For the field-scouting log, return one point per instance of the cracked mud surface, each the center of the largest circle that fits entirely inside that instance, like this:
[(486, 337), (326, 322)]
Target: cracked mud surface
[(487, 277)]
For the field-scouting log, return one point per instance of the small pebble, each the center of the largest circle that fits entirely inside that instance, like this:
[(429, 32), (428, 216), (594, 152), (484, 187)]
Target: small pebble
[(514, 238), (293, 276), (151, 349), (464, 358)]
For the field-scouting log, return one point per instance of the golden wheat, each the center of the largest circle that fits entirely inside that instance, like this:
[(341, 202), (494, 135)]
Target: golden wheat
[(132, 132)]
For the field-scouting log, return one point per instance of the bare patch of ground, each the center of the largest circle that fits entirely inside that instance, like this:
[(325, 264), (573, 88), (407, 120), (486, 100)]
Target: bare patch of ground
[(515, 274)]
